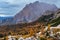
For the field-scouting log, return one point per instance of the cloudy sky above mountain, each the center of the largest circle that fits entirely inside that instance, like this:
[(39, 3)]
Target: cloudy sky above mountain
[(11, 7)]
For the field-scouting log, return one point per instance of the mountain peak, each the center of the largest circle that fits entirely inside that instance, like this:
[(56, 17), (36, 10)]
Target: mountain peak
[(33, 11), (36, 2)]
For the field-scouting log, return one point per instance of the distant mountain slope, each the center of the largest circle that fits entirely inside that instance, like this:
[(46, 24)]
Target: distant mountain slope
[(33, 11), (6, 20)]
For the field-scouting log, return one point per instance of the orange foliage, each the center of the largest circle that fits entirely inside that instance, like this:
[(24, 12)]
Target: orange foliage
[(31, 31)]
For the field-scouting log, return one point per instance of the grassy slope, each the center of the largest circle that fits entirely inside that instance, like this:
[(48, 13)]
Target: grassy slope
[(55, 22)]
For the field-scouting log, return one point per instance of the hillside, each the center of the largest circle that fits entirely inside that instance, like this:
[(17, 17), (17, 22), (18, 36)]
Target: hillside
[(55, 22), (34, 15)]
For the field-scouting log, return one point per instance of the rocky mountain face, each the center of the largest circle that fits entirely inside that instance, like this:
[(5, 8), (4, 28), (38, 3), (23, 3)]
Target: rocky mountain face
[(33, 11)]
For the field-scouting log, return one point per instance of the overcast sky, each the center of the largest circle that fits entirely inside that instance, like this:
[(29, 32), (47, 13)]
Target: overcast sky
[(11, 7)]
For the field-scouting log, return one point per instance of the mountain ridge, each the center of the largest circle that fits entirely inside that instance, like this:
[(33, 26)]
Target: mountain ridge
[(32, 12)]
